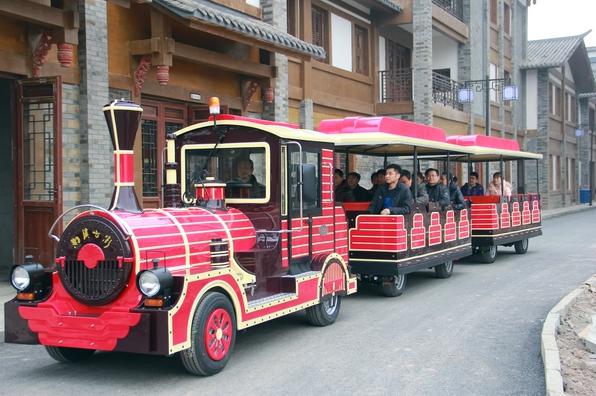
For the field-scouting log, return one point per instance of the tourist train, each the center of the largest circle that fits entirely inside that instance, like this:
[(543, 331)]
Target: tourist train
[(249, 231)]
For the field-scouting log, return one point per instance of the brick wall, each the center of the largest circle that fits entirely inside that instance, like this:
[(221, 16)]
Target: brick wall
[(71, 146), (422, 61)]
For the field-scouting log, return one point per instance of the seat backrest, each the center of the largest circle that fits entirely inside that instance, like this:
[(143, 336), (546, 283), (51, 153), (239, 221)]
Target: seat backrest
[(480, 199)]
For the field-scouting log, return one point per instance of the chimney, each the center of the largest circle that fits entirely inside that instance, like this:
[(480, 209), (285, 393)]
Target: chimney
[(123, 118)]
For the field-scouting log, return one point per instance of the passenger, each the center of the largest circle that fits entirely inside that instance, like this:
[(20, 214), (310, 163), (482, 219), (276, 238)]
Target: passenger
[(381, 177), (420, 178), (494, 187), (360, 193), (472, 187), (422, 196), (373, 181), (342, 191), (455, 195), (393, 197), (244, 169), (436, 191)]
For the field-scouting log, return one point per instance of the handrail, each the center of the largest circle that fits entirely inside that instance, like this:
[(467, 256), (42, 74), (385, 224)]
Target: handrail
[(330, 182), (127, 231)]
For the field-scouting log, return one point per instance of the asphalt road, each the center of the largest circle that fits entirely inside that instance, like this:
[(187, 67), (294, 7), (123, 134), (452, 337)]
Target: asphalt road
[(476, 333)]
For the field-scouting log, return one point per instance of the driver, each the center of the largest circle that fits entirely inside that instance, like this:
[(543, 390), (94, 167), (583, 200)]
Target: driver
[(244, 169)]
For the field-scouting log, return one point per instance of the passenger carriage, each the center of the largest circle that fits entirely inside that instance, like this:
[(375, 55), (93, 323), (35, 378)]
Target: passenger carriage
[(501, 220), (384, 249), (222, 255)]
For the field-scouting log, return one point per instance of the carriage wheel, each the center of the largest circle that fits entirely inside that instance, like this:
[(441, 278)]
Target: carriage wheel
[(213, 335), (325, 312), (488, 254), (69, 355), (444, 270), (521, 247), (395, 286)]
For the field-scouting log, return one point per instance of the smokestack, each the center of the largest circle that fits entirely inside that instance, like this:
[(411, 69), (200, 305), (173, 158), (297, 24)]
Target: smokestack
[(123, 118)]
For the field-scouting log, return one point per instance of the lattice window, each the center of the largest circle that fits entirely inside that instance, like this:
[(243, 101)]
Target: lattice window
[(38, 152), (320, 28), (149, 144)]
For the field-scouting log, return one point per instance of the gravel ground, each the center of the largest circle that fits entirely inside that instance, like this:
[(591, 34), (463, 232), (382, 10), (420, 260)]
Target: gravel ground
[(578, 364)]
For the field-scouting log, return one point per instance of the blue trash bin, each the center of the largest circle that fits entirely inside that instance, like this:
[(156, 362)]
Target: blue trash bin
[(584, 195)]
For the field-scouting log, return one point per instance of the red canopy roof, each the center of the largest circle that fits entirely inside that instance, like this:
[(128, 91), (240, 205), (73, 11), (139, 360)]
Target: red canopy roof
[(392, 126), (484, 141)]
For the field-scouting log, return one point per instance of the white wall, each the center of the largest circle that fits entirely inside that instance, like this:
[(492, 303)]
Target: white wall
[(255, 3), (445, 54), (382, 62), (341, 42), (532, 99)]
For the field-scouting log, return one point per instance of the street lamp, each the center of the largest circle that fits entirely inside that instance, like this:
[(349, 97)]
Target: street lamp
[(508, 92)]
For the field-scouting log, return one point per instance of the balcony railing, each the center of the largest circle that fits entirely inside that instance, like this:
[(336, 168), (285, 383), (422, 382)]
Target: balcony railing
[(445, 91), (396, 85), (454, 7)]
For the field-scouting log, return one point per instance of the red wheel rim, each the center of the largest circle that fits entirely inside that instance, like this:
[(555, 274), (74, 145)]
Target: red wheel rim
[(218, 334)]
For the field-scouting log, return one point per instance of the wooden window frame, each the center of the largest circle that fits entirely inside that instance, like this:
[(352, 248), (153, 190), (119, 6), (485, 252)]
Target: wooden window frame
[(325, 34), (365, 53), (494, 12)]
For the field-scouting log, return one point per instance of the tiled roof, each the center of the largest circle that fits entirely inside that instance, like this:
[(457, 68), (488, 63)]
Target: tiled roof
[(551, 52), (391, 4), (216, 15)]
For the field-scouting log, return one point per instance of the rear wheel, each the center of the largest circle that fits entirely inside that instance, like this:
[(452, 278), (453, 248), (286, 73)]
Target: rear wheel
[(213, 335), (395, 286), (488, 254), (521, 247), (325, 312), (444, 270), (69, 355)]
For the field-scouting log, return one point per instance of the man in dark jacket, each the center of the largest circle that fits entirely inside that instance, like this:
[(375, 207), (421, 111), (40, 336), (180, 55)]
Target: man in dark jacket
[(421, 195), (360, 193), (436, 191), (472, 187), (392, 197)]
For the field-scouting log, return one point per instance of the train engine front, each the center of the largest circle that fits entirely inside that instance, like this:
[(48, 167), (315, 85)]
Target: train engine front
[(123, 277)]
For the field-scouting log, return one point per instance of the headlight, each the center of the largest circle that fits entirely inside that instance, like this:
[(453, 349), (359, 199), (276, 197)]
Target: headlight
[(148, 283), (20, 278)]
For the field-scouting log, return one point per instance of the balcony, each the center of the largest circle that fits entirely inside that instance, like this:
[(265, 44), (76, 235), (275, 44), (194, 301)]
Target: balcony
[(453, 7), (396, 85), (445, 91)]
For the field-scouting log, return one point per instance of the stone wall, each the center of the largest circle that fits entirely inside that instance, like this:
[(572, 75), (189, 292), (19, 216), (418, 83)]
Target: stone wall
[(71, 146), (422, 62)]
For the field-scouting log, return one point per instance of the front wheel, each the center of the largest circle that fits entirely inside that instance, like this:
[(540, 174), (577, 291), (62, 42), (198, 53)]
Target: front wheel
[(488, 254), (213, 335), (444, 270), (69, 355), (521, 247), (325, 312), (395, 286)]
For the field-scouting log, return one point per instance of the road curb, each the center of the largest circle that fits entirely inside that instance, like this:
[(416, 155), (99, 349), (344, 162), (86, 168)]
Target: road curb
[(548, 342), (580, 208)]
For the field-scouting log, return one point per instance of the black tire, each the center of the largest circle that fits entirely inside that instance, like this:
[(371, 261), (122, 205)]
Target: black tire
[(198, 359), (521, 247), (488, 254), (325, 312), (69, 355), (443, 271), (395, 286)]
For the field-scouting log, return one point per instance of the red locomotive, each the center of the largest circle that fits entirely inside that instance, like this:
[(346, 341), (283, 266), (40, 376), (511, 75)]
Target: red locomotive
[(185, 279)]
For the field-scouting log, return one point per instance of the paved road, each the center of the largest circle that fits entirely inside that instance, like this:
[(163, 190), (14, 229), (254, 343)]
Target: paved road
[(476, 333)]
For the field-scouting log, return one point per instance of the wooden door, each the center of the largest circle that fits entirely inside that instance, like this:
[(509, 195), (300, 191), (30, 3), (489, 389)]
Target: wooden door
[(158, 120), (398, 72), (39, 166)]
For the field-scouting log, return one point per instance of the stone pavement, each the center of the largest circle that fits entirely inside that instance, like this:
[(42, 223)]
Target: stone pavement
[(7, 292)]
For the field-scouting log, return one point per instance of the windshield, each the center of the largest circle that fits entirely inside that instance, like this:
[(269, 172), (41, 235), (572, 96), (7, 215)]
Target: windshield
[(243, 169)]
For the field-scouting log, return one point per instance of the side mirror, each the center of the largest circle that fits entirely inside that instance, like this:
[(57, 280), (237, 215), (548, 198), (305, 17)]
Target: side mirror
[(309, 183)]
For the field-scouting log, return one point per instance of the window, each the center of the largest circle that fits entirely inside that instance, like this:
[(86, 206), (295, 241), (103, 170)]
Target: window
[(569, 174), (311, 159), (320, 29), (293, 13), (243, 167), (571, 115), (555, 172), (493, 11), (507, 19), (555, 99), (360, 50)]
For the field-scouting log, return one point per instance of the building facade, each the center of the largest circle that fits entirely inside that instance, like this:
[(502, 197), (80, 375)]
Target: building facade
[(560, 117)]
